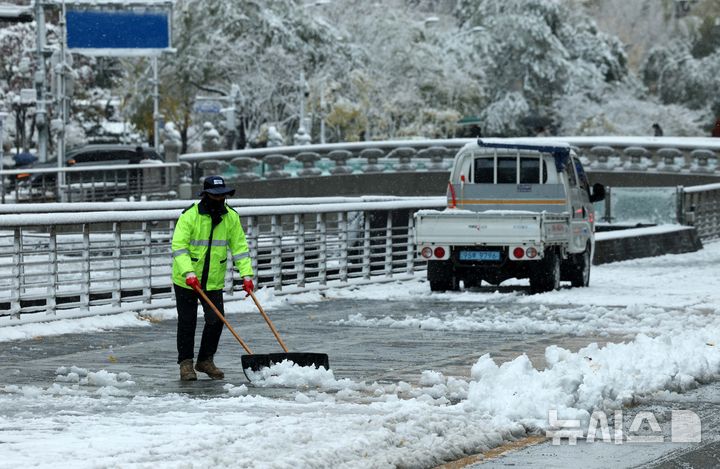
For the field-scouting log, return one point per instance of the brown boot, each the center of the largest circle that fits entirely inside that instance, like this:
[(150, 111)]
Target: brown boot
[(207, 366), (186, 370)]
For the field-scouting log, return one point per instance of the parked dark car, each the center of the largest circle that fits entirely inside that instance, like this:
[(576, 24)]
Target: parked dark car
[(107, 184)]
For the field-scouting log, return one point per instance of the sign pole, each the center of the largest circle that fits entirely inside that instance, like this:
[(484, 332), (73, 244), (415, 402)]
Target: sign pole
[(156, 105), (40, 83), (61, 196)]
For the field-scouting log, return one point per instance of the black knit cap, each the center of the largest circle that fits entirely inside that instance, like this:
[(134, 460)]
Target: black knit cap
[(215, 185)]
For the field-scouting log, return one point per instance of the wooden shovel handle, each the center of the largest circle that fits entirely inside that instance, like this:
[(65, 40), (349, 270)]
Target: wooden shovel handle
[(222, 318), (269, 323)]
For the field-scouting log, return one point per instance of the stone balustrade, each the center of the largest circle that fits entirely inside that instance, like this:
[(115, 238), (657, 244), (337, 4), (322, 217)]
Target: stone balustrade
[(372, 155), (404, 155), (340, 157), (276, 166), (245, 167), (308, 160), (378, 157)]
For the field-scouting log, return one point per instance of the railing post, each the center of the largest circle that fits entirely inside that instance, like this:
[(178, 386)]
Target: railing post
[(410, 243), (276, 252), (251, 236), (147, 262), (322, 248), (343, 240), (18, 267), (367, 252), (388, 246), (53, 261), (117, 264), (679, 204), (85, 288), (299, 229), (608, 205)]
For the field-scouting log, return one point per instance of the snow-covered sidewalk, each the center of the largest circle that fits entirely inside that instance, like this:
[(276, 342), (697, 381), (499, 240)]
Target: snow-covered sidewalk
[(666, 307)]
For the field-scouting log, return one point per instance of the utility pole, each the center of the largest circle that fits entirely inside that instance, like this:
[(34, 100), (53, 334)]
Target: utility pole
[(41, 118)]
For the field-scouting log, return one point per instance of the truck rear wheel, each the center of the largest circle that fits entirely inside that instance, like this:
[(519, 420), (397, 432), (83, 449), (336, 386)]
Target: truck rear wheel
[(580, 271), (547, 277), (441, 275)]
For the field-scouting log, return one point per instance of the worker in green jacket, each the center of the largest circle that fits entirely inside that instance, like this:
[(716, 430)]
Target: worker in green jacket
[(203, 234)]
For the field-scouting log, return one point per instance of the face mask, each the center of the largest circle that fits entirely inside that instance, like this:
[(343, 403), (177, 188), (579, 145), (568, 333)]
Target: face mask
[(214, 205), (216, 208)]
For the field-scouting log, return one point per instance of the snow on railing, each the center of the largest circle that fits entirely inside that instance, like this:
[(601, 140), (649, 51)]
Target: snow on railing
[(80, 263)]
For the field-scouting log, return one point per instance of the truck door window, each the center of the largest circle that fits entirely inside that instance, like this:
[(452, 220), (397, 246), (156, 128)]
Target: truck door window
[(484, 171), (582, 176), (570, 172)]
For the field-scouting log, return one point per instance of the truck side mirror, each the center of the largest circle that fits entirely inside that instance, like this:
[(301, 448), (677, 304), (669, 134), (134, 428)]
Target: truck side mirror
[(598, 192)]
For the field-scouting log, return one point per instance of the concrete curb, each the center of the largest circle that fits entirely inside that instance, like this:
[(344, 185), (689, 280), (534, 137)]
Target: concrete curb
[(645, 242)]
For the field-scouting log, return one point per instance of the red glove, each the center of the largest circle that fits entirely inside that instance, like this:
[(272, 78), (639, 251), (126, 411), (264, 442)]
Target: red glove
[(192, 281), (248, 285)]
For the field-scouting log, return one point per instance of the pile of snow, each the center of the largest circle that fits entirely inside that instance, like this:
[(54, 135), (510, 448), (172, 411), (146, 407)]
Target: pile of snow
[(83, 377)]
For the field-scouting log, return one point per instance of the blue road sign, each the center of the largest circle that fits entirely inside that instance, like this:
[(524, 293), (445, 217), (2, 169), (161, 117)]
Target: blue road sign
[(117, 32), (207, 107)]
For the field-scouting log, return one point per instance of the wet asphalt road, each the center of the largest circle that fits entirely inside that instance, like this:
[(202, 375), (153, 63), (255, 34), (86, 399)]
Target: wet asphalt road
[(148, 354)]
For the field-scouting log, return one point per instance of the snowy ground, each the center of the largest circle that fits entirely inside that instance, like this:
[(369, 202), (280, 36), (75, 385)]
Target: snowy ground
[(664, 310)]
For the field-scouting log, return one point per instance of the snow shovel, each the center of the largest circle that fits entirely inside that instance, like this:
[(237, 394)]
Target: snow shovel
[(222, 318), (258, 361)]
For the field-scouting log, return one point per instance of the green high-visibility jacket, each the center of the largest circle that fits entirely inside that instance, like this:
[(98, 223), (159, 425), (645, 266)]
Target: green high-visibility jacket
[(192, 243)]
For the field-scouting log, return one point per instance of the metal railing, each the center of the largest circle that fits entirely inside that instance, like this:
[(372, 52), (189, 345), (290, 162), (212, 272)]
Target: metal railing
[(673, 155), (69, 260), (82, 263), (90, 183), (700, 206)]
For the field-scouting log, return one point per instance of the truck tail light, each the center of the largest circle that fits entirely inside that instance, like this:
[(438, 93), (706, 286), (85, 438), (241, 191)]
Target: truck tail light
[(439, 252), (531, 252), (426, 252), (518, 252)]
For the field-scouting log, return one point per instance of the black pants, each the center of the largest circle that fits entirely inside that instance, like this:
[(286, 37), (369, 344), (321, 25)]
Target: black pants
[(187, 303)]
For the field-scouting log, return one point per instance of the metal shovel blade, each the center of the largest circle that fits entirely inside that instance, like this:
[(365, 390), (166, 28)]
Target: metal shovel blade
[(257, 361)]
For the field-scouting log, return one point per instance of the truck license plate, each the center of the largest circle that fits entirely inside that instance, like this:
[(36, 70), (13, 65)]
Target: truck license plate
[(479, 255)]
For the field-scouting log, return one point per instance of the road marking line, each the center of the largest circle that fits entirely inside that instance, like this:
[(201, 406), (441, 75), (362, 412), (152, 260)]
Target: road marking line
[(493, 453)]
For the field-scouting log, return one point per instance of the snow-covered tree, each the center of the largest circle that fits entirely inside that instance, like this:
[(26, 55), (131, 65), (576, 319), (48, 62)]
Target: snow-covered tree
[(17, 68), (688, 70), (260, 46), (540, 50)]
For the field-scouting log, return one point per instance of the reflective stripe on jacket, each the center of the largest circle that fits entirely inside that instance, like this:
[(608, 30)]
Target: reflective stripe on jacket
[(191, 245)]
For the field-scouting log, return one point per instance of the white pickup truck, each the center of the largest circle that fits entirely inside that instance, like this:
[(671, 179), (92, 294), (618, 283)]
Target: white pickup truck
[(514, 210)]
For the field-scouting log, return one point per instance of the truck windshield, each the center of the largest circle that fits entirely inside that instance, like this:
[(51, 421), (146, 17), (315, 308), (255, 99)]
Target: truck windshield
[(507, 170)]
